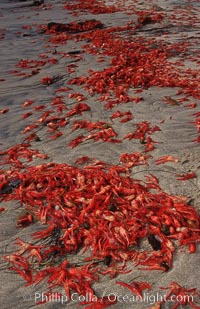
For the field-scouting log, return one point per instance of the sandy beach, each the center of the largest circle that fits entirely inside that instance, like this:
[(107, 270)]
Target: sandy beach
[(100, 89)]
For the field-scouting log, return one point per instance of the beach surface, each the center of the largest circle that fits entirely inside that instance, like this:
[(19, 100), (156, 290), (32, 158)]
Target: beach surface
[(46, 74)]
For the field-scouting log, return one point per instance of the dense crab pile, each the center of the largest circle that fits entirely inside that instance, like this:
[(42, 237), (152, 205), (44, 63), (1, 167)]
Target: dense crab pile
[(101, 211)]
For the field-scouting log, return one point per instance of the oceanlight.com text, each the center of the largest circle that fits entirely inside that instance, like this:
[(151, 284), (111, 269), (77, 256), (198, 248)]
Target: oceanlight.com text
[(54, 297)]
